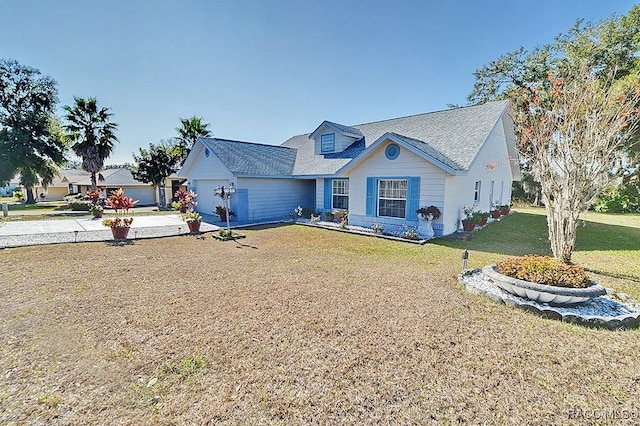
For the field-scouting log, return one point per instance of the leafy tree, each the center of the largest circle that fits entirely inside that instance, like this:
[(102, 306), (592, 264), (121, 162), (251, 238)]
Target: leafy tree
[(188, 133), (572, 129), (30, 141), (154, 166), (574, 107), (92, 133)]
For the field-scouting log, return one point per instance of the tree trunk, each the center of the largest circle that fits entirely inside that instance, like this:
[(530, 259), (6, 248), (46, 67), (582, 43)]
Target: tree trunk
[(562, 225), (94, 184), (29, 194)]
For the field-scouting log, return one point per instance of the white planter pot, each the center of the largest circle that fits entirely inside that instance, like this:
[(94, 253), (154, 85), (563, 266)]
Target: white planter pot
[(552, 295)]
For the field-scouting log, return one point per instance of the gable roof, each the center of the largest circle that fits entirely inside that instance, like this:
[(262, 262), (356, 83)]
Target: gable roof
[(346, 130), (450, 139), (252, 159), (453, 137)]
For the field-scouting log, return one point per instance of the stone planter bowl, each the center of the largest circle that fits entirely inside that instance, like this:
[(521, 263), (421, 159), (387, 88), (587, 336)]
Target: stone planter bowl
[(542, 293)]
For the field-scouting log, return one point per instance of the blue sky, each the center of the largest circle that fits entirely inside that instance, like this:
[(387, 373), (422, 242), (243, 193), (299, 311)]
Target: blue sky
[(262, 71)]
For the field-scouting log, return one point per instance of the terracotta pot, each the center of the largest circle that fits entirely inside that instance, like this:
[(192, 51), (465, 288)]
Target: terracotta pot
[(505, 211), (194, 226), (468, 225), (183, 209), (495, 214), (120, 232), (483, 221), (98, 215)]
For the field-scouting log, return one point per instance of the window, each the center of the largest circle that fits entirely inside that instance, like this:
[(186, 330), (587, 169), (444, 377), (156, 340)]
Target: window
[(340, 194), (476, 194), (491, 194), (328, 142), (392, 198)]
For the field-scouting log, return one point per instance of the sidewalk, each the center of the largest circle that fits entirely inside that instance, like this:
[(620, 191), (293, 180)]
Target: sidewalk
[(35, 232)]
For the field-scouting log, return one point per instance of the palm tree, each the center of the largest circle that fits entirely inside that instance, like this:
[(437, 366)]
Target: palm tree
[(191, 129), (92, 134)]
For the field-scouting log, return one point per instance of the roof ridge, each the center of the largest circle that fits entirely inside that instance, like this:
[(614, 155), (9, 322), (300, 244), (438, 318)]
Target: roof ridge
[(248, 143), (429, 113)]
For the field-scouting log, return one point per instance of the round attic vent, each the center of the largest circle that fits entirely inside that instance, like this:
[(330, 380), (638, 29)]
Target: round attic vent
[(392, 151)]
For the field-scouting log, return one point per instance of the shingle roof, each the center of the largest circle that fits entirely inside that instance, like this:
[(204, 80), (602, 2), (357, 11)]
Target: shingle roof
[(245, 158), (346, 129), (452, 136), (113, 178)]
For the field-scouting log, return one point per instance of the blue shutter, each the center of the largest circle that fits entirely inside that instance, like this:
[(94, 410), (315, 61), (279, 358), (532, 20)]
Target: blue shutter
[(414, 197), (371, 196), (327, 194)]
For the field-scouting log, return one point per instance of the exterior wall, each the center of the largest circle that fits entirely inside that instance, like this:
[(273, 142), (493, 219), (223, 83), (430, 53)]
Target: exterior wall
[(342, 142), (407, 164), (56, 193), (268, 198), (271, 198), (492, 164), (206, 167)]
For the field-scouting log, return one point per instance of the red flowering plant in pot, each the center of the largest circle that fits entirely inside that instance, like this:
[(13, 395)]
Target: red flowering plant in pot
[(186, 200), (121, 204), (96, 203)]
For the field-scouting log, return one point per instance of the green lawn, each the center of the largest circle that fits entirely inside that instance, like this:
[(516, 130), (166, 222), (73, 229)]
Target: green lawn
[(607, 244), (299, 325)]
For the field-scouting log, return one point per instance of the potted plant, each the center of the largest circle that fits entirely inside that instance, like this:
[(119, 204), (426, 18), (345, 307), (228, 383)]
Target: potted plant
[(193, 219), (97, 211), (186, 200), (120, 204), (426, 216), (96, 203), (428, 213), (222, 212), (329, 216), (495, 210), (543, 279), (482, 218), (468, 223), (504, 209)]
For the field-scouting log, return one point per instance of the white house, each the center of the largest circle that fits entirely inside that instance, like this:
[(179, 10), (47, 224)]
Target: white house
[(380, 172)]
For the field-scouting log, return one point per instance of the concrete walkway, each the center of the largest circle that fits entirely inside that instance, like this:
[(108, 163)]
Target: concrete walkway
[(34, 232)]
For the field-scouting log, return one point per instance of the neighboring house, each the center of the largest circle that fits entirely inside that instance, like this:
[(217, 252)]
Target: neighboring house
[(73, 181), (380, 172), (10, 187)]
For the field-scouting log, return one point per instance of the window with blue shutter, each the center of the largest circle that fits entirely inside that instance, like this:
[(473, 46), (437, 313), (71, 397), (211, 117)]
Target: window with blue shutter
[(371, 196), (327, 194)]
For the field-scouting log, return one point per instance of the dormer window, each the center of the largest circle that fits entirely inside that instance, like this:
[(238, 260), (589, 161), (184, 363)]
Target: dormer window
[(328, 142)]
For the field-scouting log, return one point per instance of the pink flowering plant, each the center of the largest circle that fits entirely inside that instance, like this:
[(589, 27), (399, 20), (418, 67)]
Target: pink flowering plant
[(121, 204), (186, 200)]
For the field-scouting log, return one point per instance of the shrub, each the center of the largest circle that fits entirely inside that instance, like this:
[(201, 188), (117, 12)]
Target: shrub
[(77, 202), (544, 270), (623, 199)]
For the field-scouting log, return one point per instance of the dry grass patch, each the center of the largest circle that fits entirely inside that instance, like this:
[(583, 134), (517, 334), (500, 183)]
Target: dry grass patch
[(299, 325)]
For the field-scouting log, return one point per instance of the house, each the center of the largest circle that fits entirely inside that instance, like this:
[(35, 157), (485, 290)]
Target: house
[(73, 181), (380, 172), (10, 187)]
